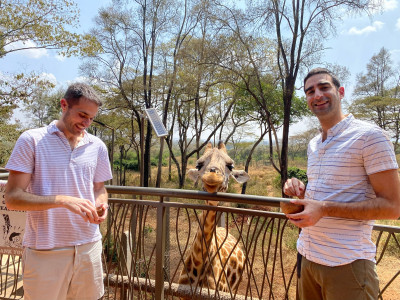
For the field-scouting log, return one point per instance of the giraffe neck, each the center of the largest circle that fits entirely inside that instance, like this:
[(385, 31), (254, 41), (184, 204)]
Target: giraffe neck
[(204, 234)]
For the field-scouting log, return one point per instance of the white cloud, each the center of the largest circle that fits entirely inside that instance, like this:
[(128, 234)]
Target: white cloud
[(384, 5), (398, 24), (49, 77), (371, 28), (389, 5), (32, 53)]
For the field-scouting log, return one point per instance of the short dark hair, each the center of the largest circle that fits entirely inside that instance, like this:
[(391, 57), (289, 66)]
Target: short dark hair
[(316, 71), (77, 90)]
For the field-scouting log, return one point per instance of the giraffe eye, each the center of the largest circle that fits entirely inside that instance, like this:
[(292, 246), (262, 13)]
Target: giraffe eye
[(230, 167), (199, 166)]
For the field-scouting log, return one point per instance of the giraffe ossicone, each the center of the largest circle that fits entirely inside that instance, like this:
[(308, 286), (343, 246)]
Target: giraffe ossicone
[(215, 259)]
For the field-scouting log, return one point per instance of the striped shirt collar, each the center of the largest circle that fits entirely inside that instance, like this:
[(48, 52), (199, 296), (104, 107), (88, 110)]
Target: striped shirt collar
[(338, 128), (53, 129)]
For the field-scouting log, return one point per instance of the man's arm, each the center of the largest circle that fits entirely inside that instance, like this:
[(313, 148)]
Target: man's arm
[(386, 205), (101, 198), (17, 198)]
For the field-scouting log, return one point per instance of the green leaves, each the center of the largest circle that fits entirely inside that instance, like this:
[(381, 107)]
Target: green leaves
[(35, 24)]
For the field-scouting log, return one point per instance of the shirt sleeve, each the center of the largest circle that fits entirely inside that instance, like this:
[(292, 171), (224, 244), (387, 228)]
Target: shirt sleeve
[(22, 158), (378, 152)]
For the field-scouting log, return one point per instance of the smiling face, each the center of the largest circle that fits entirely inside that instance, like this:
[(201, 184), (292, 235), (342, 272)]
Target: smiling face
[(324, 99), (76, 118)]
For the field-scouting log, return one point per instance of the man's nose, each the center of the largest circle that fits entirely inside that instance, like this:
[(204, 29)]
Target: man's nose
[(87, 122), (318, 93)]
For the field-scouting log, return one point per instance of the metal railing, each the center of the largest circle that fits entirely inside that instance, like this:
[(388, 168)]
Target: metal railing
[(148, 236), (147, 239)]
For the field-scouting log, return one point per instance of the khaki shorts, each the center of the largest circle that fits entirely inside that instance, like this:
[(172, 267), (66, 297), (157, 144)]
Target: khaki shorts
[(63, 273), (355, 281)]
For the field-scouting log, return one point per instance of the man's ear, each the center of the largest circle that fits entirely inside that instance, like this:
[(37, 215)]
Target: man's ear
[(240, 176), (193, 174), (341, 92), (64, 104)]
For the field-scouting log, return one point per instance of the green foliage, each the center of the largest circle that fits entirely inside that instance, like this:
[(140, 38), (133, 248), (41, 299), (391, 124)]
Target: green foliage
[(9, 134), (132, 165), (292, 172), (27, 24), (44, 107), (377, 92), (36, 24), (268, 97)]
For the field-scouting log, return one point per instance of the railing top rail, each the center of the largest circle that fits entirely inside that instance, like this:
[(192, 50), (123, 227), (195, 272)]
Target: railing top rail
[(193, 194), (223, 197), (3, 175)]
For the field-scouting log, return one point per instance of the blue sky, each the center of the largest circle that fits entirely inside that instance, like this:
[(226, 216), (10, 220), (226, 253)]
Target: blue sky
[(358, 39)]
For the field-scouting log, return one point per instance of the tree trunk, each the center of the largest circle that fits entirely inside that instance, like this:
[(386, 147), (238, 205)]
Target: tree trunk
[(287, 103)]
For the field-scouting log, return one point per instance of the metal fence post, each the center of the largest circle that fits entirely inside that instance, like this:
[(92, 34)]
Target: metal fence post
[(160, 249)]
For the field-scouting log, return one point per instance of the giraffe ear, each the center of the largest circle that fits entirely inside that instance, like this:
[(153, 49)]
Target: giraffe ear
[(208, 147), (240, 176), (193, 174), (221, 146)]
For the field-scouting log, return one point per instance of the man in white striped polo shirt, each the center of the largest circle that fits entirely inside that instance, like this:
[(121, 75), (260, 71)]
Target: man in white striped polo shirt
[(352, 180), (57, 175)]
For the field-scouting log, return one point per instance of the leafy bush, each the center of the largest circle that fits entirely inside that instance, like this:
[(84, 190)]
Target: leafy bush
[(128, 164), (292, 172)]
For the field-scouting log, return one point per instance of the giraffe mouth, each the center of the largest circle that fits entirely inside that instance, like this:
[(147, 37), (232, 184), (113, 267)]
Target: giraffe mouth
[(212, 182), (211, 188)]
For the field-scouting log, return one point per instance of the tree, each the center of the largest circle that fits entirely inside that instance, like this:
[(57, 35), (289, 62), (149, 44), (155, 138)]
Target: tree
[(9, 133), (378, 96), (261, 106), (130, 34), (34, 24), (38, 24), (299, 29), (44, 107), (14, 89)]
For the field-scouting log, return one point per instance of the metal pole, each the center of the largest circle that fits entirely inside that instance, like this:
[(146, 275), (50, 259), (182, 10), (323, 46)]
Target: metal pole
[(112, 156), (160, 249), (142, 151)]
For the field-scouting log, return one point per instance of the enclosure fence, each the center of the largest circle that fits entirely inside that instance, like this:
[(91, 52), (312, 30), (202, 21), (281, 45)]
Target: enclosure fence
[(150, 231), (149, 235)]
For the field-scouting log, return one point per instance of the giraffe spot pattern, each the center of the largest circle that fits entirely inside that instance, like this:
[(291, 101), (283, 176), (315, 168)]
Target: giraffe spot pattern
[(208, 268)]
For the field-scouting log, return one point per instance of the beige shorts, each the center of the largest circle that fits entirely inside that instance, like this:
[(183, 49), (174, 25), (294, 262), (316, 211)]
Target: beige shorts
[(63, 273)]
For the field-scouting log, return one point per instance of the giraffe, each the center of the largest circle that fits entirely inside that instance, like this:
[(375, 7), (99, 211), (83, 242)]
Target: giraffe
[(215, 259)]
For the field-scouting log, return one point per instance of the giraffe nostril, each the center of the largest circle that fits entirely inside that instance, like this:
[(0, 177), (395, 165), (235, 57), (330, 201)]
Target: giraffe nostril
[(213, 170)]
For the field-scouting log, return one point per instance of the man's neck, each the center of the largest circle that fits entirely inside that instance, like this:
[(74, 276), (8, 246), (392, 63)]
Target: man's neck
[(73, 139), (328, 124)]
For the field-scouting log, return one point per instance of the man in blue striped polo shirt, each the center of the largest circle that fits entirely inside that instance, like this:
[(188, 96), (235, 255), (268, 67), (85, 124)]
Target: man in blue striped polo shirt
[(57, 175), (352, 180)]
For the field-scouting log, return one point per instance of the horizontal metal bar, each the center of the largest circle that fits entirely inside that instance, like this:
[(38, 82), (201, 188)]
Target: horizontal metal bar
[(191, 194), (4, 175)]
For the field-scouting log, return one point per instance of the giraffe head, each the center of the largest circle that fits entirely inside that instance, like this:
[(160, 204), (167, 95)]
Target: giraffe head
[(214, 168)]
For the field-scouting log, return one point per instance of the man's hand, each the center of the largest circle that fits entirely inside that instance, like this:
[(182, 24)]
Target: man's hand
[(294, 187), (102, 212), (312, 213), (82, 207)]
